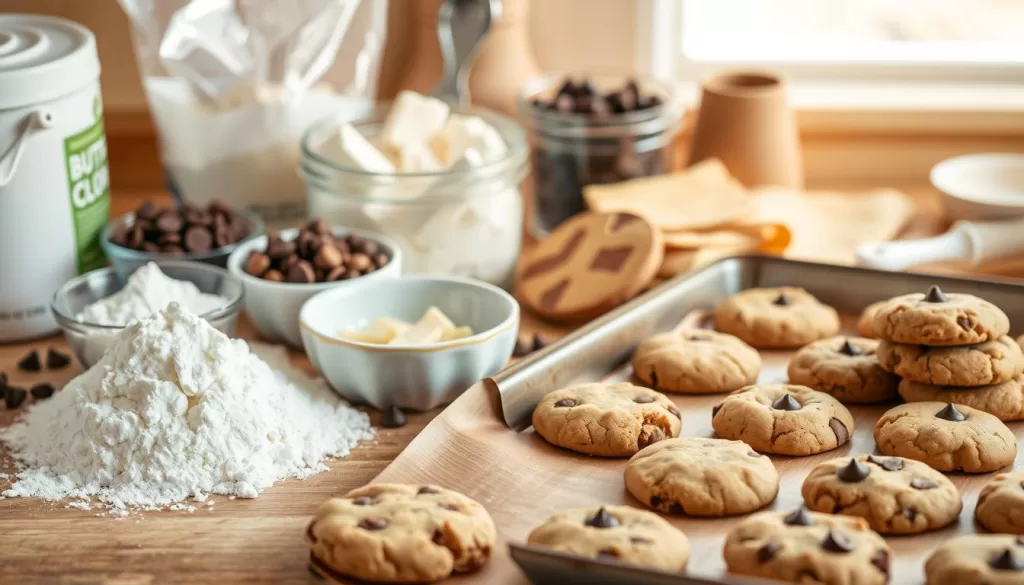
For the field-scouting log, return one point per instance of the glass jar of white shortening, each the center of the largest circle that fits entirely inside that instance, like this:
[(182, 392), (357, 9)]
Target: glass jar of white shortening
[(463, 221)]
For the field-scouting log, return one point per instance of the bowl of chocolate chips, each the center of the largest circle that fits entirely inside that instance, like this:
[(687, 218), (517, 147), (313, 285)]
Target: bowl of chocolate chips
[(188, 232), (282, 270)]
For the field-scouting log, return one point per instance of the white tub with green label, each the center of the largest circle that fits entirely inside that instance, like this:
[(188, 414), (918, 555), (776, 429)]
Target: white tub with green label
[(54, 182)]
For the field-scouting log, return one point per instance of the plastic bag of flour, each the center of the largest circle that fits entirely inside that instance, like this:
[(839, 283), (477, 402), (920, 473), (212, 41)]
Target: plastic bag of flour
[(233, 84)]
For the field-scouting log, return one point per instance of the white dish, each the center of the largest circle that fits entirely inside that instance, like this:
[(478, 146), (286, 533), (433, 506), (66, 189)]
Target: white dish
[(981, 186), (273, 307), (417, 377)]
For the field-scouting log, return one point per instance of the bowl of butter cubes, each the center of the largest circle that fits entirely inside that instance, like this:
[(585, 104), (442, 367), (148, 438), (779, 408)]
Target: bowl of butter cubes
[(413, 342), (442, 181)]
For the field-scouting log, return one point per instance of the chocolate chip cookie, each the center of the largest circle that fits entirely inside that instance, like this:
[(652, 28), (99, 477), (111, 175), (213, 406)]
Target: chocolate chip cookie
[(844, 367), (783, 418), (702, 477), (1004, 400), (867, 316), (948, 437), (616, 533), (609, 420), (778, 318), (696, 362), (808, 547), (937, 318), (986, 363), (977, 559), (895, 495), (398, 533), (1001, 504)]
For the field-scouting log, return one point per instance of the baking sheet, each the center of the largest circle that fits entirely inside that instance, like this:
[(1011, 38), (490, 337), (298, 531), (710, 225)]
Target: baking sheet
[(482, 446)]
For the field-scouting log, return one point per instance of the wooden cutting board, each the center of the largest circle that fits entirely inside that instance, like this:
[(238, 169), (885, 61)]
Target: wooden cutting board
[(522, 480)]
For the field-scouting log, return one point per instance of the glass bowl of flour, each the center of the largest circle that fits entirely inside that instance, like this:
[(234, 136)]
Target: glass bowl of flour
[(94, 308)]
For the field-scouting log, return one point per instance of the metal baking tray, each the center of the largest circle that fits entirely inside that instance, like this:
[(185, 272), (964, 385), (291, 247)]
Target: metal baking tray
[(606, 344)]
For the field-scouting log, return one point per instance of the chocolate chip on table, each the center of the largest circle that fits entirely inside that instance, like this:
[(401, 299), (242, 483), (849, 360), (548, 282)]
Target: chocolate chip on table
[(56, 360), (30, 363), (798, 517), (850, 349), (373, 523), (602, 519), (838, 541), (919, 483), (14, 397), (768, 552), (839, 430), (935, 295), (42, 391), (951, 413), (786, 402), (782, 300), (392, 418), (565, 403), (853, 472), (887, 463), (1007, 560)]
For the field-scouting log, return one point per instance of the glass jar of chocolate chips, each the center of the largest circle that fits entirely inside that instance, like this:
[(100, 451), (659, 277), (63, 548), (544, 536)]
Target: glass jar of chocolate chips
[(594, 129)]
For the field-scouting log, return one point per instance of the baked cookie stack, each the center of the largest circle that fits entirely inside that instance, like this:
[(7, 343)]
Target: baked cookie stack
[(951, 348)]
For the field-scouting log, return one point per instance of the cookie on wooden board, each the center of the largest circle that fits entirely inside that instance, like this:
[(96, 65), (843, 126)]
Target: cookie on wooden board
[(1001, 504), (424, 532), (591, 263), (615, 533), (977, 559)]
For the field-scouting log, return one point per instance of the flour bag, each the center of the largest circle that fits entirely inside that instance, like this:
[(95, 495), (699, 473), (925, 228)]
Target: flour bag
[(233, 84)]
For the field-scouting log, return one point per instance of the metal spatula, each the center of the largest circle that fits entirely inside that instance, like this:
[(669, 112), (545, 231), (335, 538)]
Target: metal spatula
[(461, 27)]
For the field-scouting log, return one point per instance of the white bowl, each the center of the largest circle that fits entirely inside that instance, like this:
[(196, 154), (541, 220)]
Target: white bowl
[(273, 307), (417, 377), (981, 186)]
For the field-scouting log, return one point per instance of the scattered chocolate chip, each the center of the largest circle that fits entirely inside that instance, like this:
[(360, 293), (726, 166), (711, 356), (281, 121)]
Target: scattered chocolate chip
[(887, 463), (644, 399), (965, 323), (42, 391), (30, 363), (839, 430), (602, 519), (919, 483), (935, 295), (838, 541), (1007, 560), (853, 472), (850, 349), (799, 517), (951, 413), (881, 560), (753, 454), (782, 300), (673, 410), (14, 397), (373, 523), (909, 514), (715, 409), (56, 360), (565, 403), (786, 402), (768, 552), (522, 348), (364, 501), (393, 418)]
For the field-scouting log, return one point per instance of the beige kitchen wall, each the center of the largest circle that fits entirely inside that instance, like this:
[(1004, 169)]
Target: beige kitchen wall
[(566, 34)]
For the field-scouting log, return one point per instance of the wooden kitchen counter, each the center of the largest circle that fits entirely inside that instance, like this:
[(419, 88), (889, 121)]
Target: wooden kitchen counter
[(239, 541)]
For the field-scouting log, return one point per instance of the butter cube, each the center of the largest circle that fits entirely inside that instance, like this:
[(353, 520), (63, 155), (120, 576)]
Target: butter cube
[(359, 152), (458, 333), (419, 335), (413, 119), (461, 133), (381, 331), (434, 317), (418, 159)]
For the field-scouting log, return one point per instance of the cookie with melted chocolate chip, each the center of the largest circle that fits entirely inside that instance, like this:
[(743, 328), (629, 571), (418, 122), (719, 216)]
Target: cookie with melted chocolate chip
[(608, 420), (939, 318), (977, 559), (425, 532)]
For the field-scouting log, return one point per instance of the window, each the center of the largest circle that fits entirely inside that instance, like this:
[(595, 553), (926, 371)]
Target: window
[(919, 50)]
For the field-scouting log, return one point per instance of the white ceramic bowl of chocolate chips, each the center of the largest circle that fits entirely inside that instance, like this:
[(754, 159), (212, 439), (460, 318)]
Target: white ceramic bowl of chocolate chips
[(282, 270)]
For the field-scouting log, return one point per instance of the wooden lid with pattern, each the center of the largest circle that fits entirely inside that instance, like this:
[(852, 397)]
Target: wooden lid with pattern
[(591, 263)]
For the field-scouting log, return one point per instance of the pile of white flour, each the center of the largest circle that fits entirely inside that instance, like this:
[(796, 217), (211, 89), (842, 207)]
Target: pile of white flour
[(175, 410), (147, 291)]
